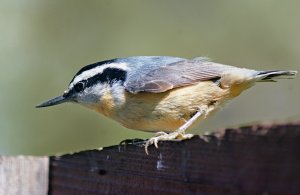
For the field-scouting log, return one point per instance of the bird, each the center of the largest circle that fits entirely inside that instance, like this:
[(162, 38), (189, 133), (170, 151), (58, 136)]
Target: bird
[(161, 94)]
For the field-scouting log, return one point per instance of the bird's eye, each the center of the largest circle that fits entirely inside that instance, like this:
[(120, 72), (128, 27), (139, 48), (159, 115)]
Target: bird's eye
[(79, 86)]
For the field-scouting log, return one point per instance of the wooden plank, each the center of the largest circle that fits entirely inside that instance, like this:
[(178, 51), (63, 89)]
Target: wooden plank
[(261, 159), (24, 175)]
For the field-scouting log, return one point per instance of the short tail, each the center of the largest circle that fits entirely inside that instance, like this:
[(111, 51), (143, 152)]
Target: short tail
[(272, 75)]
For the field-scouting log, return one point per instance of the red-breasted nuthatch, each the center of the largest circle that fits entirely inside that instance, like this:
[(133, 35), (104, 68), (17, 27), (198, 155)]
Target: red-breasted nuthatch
[(160, 94)]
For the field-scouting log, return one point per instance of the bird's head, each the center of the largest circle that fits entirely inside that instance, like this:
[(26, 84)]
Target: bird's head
[(91, 82)]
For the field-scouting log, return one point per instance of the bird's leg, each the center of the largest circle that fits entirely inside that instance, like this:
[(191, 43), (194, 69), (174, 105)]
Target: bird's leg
[(179, 134)]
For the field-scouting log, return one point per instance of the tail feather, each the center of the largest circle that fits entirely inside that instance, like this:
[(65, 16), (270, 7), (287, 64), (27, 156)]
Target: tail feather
[(271, 75)]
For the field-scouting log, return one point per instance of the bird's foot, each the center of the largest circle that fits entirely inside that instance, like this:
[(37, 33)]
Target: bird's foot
[(162, 136), (177, 135)]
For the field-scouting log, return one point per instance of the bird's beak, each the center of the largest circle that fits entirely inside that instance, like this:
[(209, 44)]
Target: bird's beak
[(58, 100)]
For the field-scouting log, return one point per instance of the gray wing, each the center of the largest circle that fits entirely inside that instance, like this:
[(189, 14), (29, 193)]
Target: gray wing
[(177, 74)]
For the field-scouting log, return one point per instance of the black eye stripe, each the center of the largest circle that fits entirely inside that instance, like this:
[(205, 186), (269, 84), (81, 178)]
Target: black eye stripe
[(109, 76)]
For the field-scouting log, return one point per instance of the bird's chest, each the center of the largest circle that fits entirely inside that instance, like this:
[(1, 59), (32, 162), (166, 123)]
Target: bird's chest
[(164, 111), (110, 102)]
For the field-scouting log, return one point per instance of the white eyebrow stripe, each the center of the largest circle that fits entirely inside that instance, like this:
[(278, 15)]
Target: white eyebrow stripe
[(99, 69)]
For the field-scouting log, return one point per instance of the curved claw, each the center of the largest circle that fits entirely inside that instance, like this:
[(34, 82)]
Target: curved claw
[(156, 142), (165, 137), (152, 140), (147, 144)]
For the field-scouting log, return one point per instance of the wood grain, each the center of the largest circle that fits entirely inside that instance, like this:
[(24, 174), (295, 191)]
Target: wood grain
[(260, 159), (24, 175)]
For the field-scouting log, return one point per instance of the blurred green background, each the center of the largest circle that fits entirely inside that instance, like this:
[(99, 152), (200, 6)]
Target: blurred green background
[(44, 43)]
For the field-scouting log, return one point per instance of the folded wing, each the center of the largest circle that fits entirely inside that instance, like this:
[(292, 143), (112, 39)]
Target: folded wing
[(178, 74)]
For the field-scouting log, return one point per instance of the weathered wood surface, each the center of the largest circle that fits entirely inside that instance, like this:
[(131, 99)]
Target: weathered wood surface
[(262, 159), (24, 175)]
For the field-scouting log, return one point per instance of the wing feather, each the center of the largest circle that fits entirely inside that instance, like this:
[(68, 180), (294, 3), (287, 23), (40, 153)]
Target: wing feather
[(169, 76)]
